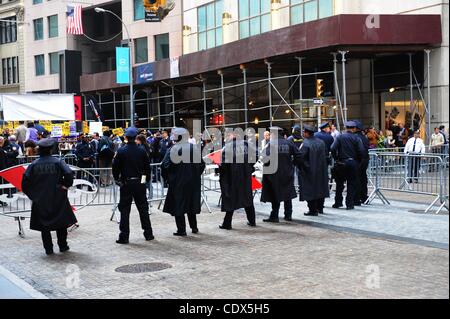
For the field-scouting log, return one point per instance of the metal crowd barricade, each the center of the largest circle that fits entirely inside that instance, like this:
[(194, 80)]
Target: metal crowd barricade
[(425, 174)]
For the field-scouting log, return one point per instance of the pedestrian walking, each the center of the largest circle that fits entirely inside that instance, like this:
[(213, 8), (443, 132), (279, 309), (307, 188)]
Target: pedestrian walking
[(182, 168), (131, 170), (278, 186), (45, 182), (236, 168), (105, 151)]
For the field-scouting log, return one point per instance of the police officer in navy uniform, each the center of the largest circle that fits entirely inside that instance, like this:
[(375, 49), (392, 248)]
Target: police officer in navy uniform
[(347, 150), (325, 136), (131, 170), (361, 179)]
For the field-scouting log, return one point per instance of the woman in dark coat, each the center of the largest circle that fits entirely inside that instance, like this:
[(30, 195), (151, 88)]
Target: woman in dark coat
[(182, 168), (236, 171), (313, 169), (46, 182)]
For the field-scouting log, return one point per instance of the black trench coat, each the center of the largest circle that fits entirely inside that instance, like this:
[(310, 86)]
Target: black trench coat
[(184, 193), (313, 169), (42, 183), (279, 186), (236, 177)]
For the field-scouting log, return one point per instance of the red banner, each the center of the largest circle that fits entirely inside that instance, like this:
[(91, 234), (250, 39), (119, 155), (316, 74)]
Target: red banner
[(78, 108), (14, 176)]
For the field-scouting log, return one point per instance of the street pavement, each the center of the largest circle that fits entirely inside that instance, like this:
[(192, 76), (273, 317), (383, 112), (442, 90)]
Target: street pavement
[(372, 252)]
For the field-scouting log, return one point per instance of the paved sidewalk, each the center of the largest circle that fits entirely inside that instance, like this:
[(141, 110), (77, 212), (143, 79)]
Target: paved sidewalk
[(286, 260)]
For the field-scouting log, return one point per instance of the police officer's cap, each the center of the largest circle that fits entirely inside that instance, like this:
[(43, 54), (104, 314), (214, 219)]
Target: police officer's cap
[(131, 132), (46, 143), (309, 128), (296, 128), (350, 124), (324, 125), (359, 125)]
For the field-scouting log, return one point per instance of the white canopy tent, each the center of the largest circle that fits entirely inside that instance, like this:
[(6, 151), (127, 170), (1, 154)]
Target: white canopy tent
[(31, 107)]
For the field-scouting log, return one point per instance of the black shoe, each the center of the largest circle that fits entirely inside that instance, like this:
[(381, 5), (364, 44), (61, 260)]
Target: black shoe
[(195, 230), (311, 214), (122, 241), (271, 220), (180, 234), (225, 227), (49, 252), (357, 204), (337, 205), (350, 207), (288, 218), (149, 237), (251, 224), (64, 249), (321, 212)]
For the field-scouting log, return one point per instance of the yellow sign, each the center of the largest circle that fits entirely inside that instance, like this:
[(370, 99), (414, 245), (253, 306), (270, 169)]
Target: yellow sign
[(105, 128), (118, 131), (85, 127)]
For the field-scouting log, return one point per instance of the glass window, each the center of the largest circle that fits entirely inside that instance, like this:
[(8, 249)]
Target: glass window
[(139, 12), (325, 8), (243, 9), (265, 6), (140, 50), (202, 41), (255, 24), (244, 29), (211, 39), (38, 29), (39, 64), (8, 30), (297, 14), (162, 46), (201, 19), (53, 26), (266, 23), (310, 10), (254, 8), (219, 36), (37, 1), (219, 12), (54, 62), (15, 70), (4, 70), (210, 16)]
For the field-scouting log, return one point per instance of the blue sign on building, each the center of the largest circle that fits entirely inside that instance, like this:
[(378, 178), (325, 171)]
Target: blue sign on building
[(123, 65), (144, 73)]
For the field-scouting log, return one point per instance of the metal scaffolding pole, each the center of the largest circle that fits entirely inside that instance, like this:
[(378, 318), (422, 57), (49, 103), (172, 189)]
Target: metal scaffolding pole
[(222, 97), (344, 84), (300, 89), (114, 108), (411, 91), (269, 86), (173, 106), (204, 104), (244, 75), (85, 107), (159, 107), (372, 74), (428, 108), (147, 92), (337, 93)]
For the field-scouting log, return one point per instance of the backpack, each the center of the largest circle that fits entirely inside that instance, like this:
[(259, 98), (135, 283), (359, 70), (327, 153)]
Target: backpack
[(106, 149)]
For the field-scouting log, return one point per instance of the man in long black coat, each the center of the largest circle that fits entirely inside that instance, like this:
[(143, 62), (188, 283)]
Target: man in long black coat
[(362, 192), (278, 173), (313, 168), (238, 158), (183, 167), (46, 182)]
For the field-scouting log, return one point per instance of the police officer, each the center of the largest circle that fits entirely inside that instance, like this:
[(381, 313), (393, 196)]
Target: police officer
[(297, 139), (347, 150), (46, 182), (361, 178), (131, 170), (325, 136), (278, 173)]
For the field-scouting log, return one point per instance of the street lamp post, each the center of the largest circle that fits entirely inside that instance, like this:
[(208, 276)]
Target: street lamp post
[(130, 46)]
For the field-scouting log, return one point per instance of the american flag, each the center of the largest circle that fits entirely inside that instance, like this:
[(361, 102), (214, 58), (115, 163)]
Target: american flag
[(74, 20)]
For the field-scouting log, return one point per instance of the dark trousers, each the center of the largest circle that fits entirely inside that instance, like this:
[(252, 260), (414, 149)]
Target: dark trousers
[(181, 222), (276, 209), (137, 192), (316, 206), (363, 192), (413, 168), (61, 234), (80, 174), (251, 216), (346, 173)]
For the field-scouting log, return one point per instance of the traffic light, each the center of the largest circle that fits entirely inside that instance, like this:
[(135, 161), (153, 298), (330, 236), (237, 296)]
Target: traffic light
[(319, 87)]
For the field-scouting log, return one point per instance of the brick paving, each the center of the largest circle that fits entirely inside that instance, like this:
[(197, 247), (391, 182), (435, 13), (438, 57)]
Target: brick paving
[(285, 260)]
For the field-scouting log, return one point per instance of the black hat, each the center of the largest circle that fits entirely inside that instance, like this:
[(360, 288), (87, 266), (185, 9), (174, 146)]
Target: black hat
[(359, 125), (46, 143), (324, 125), (131, 132), (350, 124), (309, 128)]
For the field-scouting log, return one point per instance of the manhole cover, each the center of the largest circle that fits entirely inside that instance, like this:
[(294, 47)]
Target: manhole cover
[(144, 267)]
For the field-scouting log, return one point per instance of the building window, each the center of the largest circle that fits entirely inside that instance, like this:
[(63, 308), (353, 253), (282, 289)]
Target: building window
[(39, 64), (304, 11), (254, 17), (162, 46), (37, 1), (54, 62), (139, 11), (10, 70), (38, 29), (210, 25), (8, 30), (140, 50), (53, 26)]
